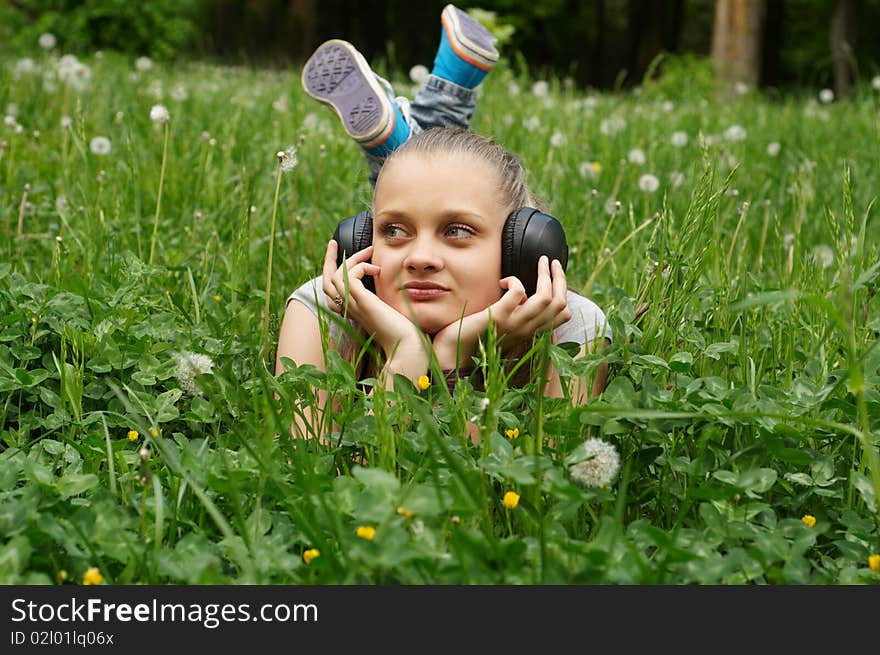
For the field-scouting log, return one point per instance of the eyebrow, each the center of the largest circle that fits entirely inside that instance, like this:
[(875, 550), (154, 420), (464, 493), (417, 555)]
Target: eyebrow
[(450, 214)]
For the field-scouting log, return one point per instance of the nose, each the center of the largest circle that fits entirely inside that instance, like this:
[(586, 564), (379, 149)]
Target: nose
[(423, 255)]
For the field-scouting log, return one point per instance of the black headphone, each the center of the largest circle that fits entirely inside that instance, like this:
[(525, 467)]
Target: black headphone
[(528, 234)]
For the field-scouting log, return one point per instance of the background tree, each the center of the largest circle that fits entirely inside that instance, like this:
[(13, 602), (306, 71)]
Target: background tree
[(736, 40), (844, 31)]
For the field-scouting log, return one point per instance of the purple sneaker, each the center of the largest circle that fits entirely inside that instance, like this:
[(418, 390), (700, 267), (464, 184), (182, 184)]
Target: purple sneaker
[(339, 76), (467, 49)]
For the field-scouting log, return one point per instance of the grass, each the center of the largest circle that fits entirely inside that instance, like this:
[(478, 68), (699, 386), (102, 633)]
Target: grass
[(743, 389)]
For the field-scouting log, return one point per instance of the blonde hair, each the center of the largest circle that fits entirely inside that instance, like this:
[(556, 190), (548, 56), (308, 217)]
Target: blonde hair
[(512, 189), (513, 193)]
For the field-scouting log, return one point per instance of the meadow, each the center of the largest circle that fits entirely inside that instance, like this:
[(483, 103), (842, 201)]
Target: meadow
[(150, 238)]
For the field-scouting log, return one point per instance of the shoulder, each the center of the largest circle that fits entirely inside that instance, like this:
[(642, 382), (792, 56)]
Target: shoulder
[(310, 294), (587, 323)]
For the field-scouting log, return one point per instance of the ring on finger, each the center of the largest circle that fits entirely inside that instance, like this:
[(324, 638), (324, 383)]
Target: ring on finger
[(338, 300)]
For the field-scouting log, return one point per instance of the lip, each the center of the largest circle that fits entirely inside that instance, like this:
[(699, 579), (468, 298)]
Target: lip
[(419, 291), (416, 284)]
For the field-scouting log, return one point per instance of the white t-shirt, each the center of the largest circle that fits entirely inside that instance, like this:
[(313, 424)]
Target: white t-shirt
[(587, 322)]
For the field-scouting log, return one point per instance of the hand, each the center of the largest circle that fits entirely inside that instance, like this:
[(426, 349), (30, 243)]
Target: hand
[(517, 317), (392, 329)]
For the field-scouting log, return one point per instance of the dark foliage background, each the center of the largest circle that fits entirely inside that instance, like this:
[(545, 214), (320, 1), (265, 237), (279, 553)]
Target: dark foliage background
[(600, 43)]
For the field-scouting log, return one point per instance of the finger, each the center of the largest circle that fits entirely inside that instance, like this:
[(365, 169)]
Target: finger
[(515, 295), (362, 255), (544, 288), (329, 269), (560, 284)]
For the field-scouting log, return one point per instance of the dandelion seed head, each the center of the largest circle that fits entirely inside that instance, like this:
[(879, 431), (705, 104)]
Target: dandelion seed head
[(143, 64), (773, 148), (741, 88), (100, 145), (826, 96), (636, 156), (540, 89), (159, 114), (600, 467), (557, 140), (788, 240), (47, 41), (875, 83), (190, 365), (735, 133), (24, 66), (823, 255), (612, 125), (418, 73), (648, 183), (676, 179), (679, 139), (288, 159), (179, 92), (66, 122)]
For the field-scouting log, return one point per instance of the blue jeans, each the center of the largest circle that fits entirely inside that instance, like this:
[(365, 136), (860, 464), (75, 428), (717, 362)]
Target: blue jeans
[(439, 103)]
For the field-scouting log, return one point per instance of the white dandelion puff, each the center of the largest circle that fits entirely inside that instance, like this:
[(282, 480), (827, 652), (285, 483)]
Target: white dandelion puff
[(532, 123), (649, 183), (100, 145), (823, 255), (179, 92), (676, 179), (418, 74), (513, 89), (159, 114), (24, 66), (540, 89), (679, 139), (47, 40), (668, 106), (557, 140), (288, 159), (600, 466), (589, 170), (612, 206), (788, 240), (189, 365), (66, 122), (875, 83), (741, 88), (826, 96), (612, 125), (773, 148), (735, 133), (636, 156), (143, 64)]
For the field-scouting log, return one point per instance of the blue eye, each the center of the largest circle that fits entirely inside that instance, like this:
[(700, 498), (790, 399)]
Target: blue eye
[(459, 231), (391, 231)]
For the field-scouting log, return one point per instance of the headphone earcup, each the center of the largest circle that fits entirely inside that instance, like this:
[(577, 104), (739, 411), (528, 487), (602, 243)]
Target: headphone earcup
[(528, 234), (353, 234)]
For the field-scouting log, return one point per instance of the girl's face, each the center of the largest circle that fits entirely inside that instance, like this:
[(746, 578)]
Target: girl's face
[(437, 224)]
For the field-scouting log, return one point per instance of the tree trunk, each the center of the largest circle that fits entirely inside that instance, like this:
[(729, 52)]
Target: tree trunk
[(736, 40), (843, 38)]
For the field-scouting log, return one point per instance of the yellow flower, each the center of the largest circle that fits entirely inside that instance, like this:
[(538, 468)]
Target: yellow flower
[(133, 435), (597, 166), (33, 319), (512, 434), (217, 297), (809, 520), (62, 575), (511, 500), (154, 433), (404, 512), (311, 554), (424, 382), (93, 576), (874, 562), (366, 532)]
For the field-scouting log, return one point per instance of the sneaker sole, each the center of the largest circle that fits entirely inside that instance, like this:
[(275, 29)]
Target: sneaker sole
[(470, 40), (337, 75)]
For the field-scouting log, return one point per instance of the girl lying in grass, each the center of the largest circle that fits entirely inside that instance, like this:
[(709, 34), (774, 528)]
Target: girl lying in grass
[(452, 220)]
